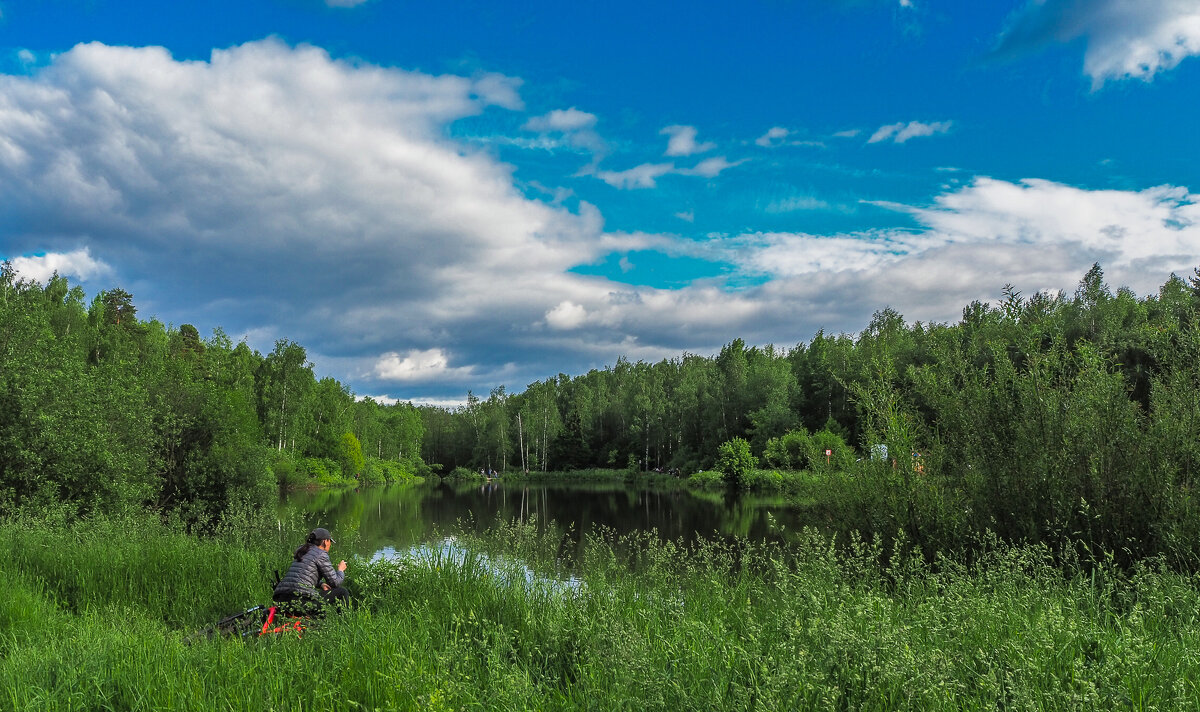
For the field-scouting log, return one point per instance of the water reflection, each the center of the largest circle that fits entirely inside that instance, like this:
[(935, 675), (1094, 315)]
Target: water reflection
[(371, 520)]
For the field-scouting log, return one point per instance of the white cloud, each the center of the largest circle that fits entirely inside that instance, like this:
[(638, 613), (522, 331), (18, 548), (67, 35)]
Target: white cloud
[(1125, 38), (849, 133), (561, 120), (275, 191), (567, 315), (280, 193), (576, 127), (416, 365), (1156, 229), (644, 176), (687, 216), (710, 167), (447, 403), (772, 137), (77, 263), (682, 141), (344, 3), (901, 132), (796, 203), (382, 400)]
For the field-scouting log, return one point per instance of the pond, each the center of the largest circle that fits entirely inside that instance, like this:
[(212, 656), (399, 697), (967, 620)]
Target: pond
[(400, 519)]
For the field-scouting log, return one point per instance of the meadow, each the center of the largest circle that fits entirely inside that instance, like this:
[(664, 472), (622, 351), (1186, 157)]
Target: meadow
[(97, 614)]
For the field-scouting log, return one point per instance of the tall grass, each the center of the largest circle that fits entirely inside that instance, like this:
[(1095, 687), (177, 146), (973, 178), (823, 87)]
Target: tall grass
[(95, 617)]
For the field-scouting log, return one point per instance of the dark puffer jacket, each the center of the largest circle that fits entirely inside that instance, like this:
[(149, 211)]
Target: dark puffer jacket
[(303, 576)]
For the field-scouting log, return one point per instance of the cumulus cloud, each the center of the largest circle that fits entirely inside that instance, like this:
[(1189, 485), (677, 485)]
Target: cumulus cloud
[(278, 192), (1130, 232), (576, 128), (77, 263), (682, 141), (1125, 38), (901, 132), (416, 365), (567, 315)]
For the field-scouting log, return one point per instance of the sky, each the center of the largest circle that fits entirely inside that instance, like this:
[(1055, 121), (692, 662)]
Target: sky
[(441, 197)]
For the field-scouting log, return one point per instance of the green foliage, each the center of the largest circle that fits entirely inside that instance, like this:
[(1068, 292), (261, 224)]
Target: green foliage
[(287, 472), (462, 473), (708, 479), (789, 451), (829, 452), (648, 625), (350, 455), (103, 412), (378, 471), (735, 460)]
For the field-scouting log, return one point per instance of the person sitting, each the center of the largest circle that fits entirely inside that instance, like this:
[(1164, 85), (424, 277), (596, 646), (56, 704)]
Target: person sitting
[(311, 582)]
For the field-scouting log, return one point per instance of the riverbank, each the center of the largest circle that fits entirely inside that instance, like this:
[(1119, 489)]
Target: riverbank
[(96, 613)]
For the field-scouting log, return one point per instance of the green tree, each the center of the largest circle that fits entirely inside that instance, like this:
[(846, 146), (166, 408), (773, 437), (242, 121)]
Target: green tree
[(350, 455), (735, 461)]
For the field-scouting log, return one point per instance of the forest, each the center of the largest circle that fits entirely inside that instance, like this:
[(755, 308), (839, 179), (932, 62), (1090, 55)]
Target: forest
[(101, 411), (1041, 418)]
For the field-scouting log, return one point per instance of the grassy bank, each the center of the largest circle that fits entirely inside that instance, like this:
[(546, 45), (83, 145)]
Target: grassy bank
[(96, 613)]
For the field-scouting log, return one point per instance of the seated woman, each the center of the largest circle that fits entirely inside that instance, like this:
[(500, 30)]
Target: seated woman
[(311, 581)]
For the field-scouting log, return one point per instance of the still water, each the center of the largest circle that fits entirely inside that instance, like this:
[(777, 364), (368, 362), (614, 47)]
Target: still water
[(393, 520)]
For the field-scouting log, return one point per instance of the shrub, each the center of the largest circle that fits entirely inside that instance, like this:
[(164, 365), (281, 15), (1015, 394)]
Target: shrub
[(707, 478), (841, 455), (790, 451), (287, 474), (462, 473), (734, 460)]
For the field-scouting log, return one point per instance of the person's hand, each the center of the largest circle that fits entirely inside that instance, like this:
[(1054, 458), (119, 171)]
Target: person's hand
[(342, 566), (324, 587)]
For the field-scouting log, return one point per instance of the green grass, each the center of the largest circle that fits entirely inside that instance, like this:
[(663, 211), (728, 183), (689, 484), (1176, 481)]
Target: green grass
[(95, 614)]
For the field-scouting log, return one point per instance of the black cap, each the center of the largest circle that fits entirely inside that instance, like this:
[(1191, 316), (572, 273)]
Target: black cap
[(321, 534)]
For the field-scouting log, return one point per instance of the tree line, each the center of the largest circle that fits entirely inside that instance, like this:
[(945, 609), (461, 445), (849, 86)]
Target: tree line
[(1040, 417), (100, 410)]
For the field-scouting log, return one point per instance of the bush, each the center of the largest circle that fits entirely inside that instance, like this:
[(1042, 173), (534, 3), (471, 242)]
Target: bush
[(767, 480), (377, 471), (841, 455), (323, 472), (462, 473), (735, 460), (790, 450), (707, 478), (287, 474)]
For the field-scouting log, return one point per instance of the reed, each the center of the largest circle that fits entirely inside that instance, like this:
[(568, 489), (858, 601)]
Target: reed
[(96, 613)]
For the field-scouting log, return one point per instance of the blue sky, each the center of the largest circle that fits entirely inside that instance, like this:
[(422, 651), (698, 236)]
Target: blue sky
[(436, 197)]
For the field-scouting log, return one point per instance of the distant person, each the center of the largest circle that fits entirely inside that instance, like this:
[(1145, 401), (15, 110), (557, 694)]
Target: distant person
[(311, 582)]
